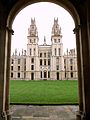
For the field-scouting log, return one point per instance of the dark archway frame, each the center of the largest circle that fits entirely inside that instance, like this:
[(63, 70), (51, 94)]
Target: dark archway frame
[(77, 30)]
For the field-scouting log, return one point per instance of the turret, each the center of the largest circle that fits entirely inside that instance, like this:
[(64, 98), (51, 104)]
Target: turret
[(32, 31), (56, 39), (32, 46), (56, 30)]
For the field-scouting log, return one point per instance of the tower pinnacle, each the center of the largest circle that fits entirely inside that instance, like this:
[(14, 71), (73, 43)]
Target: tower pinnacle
[(44, 40), (32, 31), (56, 30)]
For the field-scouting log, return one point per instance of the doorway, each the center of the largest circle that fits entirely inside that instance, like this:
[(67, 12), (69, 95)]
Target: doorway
[(32, 76), (57, 75)]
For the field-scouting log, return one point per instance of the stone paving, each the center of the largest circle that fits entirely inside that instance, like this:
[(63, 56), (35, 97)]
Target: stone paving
[(33, 112)]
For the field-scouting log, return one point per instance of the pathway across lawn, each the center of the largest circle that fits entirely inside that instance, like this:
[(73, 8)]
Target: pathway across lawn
[(44, 92)]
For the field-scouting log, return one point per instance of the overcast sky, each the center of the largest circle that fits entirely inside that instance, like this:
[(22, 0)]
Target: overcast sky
[(44, 14)]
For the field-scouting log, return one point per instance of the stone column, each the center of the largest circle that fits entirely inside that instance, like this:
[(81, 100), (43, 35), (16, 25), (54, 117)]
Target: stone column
[(86, 60), (79, 64), (3, 65), (9, 33)]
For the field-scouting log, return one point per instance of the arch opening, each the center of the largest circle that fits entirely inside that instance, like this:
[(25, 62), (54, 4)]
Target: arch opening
[(76, 23)]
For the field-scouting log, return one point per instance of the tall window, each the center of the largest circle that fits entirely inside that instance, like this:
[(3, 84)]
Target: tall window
[(44, 54), (12, 61), (32, 67), (57, 67), (59, 51), (71, 67), (18, 75), (18, 61), (18, 68), (11, 67), (34, 51), (48, 61), (30, 51), (55, 51), (40, 54), (32, 60), (44, 61), (11, 75), (40, 61)]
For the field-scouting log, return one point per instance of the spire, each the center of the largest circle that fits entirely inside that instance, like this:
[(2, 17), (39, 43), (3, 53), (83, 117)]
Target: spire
[(56, 30), (15, 51), (67, 51), (32, 21), (44, 40), (22, 51), (32, 31), (19, 53)]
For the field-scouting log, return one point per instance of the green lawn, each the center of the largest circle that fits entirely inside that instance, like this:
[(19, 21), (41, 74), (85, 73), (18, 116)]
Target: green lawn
[(44, 92)]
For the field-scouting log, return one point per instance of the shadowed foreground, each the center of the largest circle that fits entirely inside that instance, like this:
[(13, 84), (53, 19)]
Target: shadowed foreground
[(22, 112)]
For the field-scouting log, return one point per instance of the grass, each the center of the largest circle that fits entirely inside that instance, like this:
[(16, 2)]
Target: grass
[(43, 92)]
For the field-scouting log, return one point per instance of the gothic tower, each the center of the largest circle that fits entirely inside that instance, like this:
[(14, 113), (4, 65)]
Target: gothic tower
[(32, 51), (57, 50)]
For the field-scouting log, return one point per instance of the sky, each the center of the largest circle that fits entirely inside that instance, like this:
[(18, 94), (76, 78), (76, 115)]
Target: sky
[(44, 14)]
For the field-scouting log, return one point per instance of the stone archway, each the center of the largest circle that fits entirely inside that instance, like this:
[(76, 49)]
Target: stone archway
[(20, 5)]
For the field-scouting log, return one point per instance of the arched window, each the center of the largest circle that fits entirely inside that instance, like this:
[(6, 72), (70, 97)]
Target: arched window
[(55, 51), (45, 74), (11, 75), (44, 54), (32, 60), (18, 75), (40, 54), (44, 61), (34, 51), (59, 51), (30, 51), (40, 62)]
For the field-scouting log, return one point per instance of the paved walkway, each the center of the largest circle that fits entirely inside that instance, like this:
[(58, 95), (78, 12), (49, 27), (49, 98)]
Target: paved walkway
[(30, 112)]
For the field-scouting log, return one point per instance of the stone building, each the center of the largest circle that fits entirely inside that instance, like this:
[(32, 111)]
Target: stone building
[(44, 62)]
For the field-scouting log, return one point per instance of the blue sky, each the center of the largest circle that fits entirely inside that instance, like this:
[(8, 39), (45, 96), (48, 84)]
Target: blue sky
[(44, 14)]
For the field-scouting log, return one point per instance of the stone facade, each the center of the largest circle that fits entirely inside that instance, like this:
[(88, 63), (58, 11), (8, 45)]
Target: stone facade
[(44, 62)]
